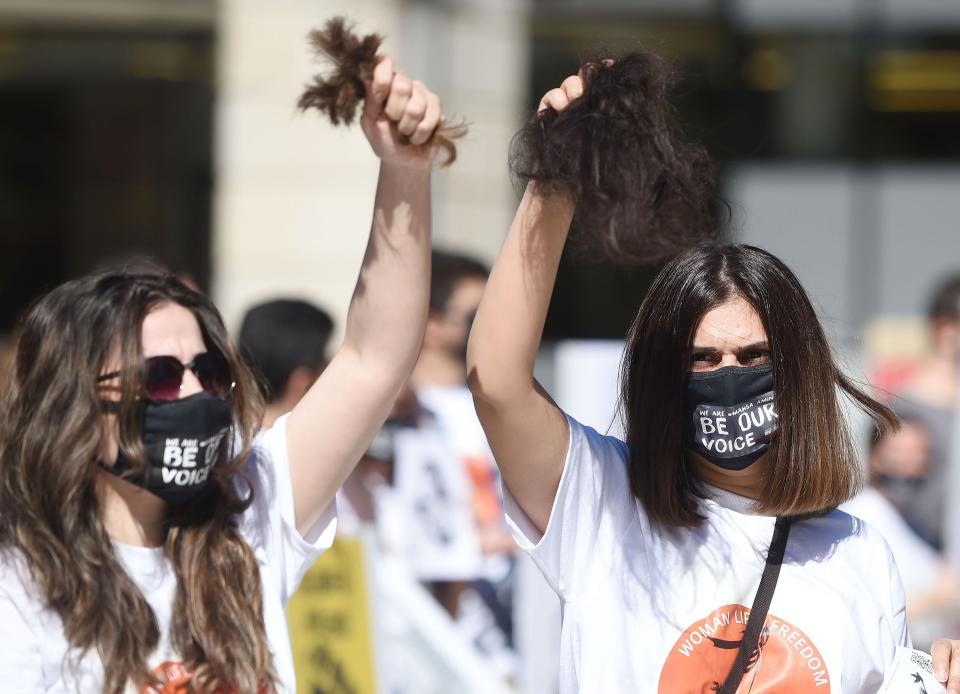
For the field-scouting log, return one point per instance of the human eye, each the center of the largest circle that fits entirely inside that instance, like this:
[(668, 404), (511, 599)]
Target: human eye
[(755, 356), (703, 360)]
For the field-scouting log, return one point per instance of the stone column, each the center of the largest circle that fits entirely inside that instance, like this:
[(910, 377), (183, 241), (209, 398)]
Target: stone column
[(294, 195)]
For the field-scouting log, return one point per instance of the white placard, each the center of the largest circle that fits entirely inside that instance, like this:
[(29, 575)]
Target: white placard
[(432, 486), (911, 673), (586, 382)]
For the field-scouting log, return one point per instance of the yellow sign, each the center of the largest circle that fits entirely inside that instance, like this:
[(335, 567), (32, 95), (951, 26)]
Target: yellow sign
[(330, 624)]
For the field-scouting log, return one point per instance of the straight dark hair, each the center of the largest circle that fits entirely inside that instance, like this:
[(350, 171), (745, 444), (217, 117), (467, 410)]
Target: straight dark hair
[(280, 336), (447, 270), (814, 466)]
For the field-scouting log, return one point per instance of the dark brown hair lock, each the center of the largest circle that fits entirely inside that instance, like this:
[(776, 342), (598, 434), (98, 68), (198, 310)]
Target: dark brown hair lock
[(339, 94), (643, 194)]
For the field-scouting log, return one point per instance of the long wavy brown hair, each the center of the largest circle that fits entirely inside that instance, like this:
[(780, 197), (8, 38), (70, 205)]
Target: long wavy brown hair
[(52, 429)]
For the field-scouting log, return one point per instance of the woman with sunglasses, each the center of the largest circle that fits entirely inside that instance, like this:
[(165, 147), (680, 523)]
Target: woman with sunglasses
[(703, 553), (149, 537)]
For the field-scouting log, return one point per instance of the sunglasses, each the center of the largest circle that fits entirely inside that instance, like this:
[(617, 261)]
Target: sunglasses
[(164, 376)]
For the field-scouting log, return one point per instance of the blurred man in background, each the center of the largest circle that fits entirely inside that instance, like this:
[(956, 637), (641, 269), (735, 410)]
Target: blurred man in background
[(439, 380), (286, 342), (929, 399), (897, 460), (428, 486)]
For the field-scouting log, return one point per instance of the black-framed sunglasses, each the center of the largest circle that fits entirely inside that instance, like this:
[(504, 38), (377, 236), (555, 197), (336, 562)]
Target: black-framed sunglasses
[(164, 376)]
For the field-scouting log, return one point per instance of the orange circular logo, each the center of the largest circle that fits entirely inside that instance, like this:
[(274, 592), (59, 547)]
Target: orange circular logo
[(172, 678), (784, 661)]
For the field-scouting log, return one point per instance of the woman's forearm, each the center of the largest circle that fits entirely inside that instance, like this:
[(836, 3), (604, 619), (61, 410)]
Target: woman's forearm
[(388, 311), (334, 423)]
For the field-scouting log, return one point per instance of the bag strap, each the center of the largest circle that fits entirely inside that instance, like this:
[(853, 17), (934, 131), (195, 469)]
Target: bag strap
[(761, 605)]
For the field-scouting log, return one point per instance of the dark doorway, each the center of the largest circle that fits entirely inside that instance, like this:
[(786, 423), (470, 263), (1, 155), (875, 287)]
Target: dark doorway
[(105, 154)]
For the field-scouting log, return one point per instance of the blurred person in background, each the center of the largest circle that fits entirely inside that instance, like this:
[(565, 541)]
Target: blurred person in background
[(418, 504), (929, 399), (930, 584), (360, 497), (149, 535), (286, 342), (440, 384)]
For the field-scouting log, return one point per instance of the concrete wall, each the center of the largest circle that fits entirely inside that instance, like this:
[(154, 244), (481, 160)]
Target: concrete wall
[(865, 242)]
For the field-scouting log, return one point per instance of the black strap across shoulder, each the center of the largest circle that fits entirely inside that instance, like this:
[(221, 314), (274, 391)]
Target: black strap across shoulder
[(761, 605)]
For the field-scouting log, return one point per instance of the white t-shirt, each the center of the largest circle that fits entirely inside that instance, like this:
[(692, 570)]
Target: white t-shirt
[(35, 656), (647, 609)]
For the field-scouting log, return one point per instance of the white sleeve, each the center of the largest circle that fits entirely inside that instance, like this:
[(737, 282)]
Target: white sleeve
[(592, 508), (21, 663), (269, 525)]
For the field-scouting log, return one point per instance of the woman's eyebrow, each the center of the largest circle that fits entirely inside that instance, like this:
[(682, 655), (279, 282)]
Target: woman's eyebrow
[(763, 346)]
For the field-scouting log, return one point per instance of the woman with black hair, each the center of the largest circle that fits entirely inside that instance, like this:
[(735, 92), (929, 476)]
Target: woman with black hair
[(149, 536), (703, 553)]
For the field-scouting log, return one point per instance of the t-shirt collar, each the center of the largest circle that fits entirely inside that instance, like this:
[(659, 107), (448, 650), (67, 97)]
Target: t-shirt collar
[(731, 501), (140, 561)]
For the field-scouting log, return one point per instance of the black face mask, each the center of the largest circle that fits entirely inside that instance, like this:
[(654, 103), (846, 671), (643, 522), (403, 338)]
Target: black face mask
[(730, 416), (183, 440)]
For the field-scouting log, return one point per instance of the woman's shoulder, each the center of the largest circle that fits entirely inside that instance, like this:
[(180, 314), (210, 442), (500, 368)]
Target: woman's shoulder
[(597, 472), (13, 569), (34, 644), (838, 534), (266, 462), (584, 439), (17, 589)]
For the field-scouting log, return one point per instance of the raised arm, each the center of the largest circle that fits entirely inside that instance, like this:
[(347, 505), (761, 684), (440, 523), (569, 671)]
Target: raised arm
[(334, 423), (527, 431)]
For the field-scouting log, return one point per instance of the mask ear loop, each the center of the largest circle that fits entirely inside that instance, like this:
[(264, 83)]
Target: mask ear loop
[(120, 467)]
